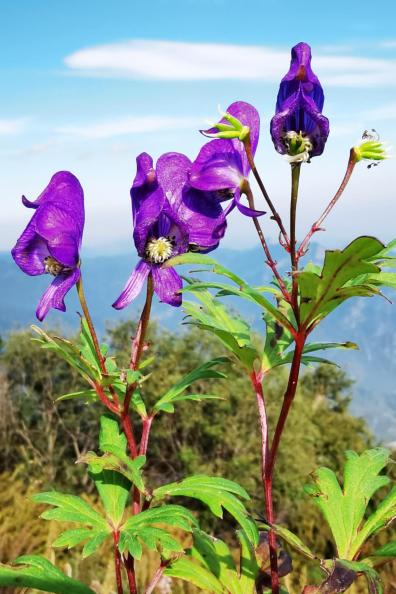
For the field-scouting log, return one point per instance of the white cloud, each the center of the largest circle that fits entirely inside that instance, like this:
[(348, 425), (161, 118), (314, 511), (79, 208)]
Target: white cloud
[(382, 112), (174, 60), (390, 43), (128, 125), (12, 126)]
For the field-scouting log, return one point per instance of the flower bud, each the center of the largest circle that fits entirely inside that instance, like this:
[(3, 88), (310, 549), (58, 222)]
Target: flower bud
[(370, 149)]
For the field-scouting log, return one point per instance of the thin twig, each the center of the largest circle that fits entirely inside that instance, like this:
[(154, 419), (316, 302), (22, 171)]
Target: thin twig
[(317, 226)]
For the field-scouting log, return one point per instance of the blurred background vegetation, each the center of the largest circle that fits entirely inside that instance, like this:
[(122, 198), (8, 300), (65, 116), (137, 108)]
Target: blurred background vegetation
[(40, 442)]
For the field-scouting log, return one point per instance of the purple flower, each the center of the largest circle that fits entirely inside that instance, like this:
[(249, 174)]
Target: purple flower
[(298, 128), (51, 242), (169, 218), (222, 167)]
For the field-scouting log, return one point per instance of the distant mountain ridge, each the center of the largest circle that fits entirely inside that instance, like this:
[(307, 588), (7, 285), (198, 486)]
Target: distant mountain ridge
[(371, 323)]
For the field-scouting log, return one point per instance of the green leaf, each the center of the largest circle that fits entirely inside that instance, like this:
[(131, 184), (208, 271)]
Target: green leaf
[(344, 509), (87, 395), (292, 539), (70, 508), (36, 572), (233, 332), (382, 555), (322, 293), (176, 392), (215, 555), (248, 564), (215, 267), (113, 487), (92, 545), (217, 493), (143, 527), (381, 518), (185, 569), (70, 538)]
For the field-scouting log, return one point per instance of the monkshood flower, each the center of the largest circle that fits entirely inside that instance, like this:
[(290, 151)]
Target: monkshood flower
[(298, 129), (370, 149), (51, 242), (169, 218), (222, 166)]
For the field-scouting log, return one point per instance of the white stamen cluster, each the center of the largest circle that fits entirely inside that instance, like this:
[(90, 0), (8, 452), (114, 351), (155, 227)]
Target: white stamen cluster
[(52, 266), (159, 250)]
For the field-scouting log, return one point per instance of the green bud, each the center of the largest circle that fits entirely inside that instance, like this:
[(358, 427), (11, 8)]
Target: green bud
[(371, 149), (234, 129)]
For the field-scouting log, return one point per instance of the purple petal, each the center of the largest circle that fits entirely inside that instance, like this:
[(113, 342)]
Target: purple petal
[(218, 167), (172, 171), (134, 285), (29, 252), (167, 283), (204, 216), (146, 217), (58, 229), (245, 210), (145, 181), (55, 294)]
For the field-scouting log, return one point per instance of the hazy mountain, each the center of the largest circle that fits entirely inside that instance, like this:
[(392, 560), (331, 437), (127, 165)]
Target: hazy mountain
[(369, 322)]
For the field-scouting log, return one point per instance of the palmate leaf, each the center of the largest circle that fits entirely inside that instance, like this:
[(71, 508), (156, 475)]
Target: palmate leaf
[(322, 293), (344, 508), (233, 332), (242, 289), (143, 529), (31, 571), (210, 565), (217, 493), (70, 508), (177, 392), (108, 471)]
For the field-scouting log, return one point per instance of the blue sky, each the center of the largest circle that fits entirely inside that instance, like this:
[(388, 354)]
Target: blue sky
[(88, 85)]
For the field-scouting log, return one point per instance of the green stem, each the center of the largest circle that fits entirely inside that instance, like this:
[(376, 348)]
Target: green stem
[(295, 171)]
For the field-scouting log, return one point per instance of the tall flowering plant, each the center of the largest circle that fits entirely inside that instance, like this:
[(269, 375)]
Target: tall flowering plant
[(179, 212)]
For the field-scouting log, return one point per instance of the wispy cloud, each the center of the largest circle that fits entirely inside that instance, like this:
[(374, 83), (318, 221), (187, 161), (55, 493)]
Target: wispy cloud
[(382, 112), (389, 43), (127, 126), (171, 60), (12, 126)]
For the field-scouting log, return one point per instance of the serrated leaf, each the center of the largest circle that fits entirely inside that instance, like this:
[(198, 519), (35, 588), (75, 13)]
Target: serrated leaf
[(71, 538), (292, 539), (93, 544), (217, 493), (321, 294), (344, 509), (215, 555), (185, 569), (113, 487), (69, 508), (381, 518), (129, 542), (36, 572), (175, 393), (144, 527)]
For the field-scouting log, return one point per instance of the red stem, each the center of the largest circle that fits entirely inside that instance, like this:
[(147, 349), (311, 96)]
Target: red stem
[(270, 262), (129, 563), (157, 577), (318, 225), (287, 402), (275, 214), (256, 379), (138, 341), (117, 563), (147, 422)]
